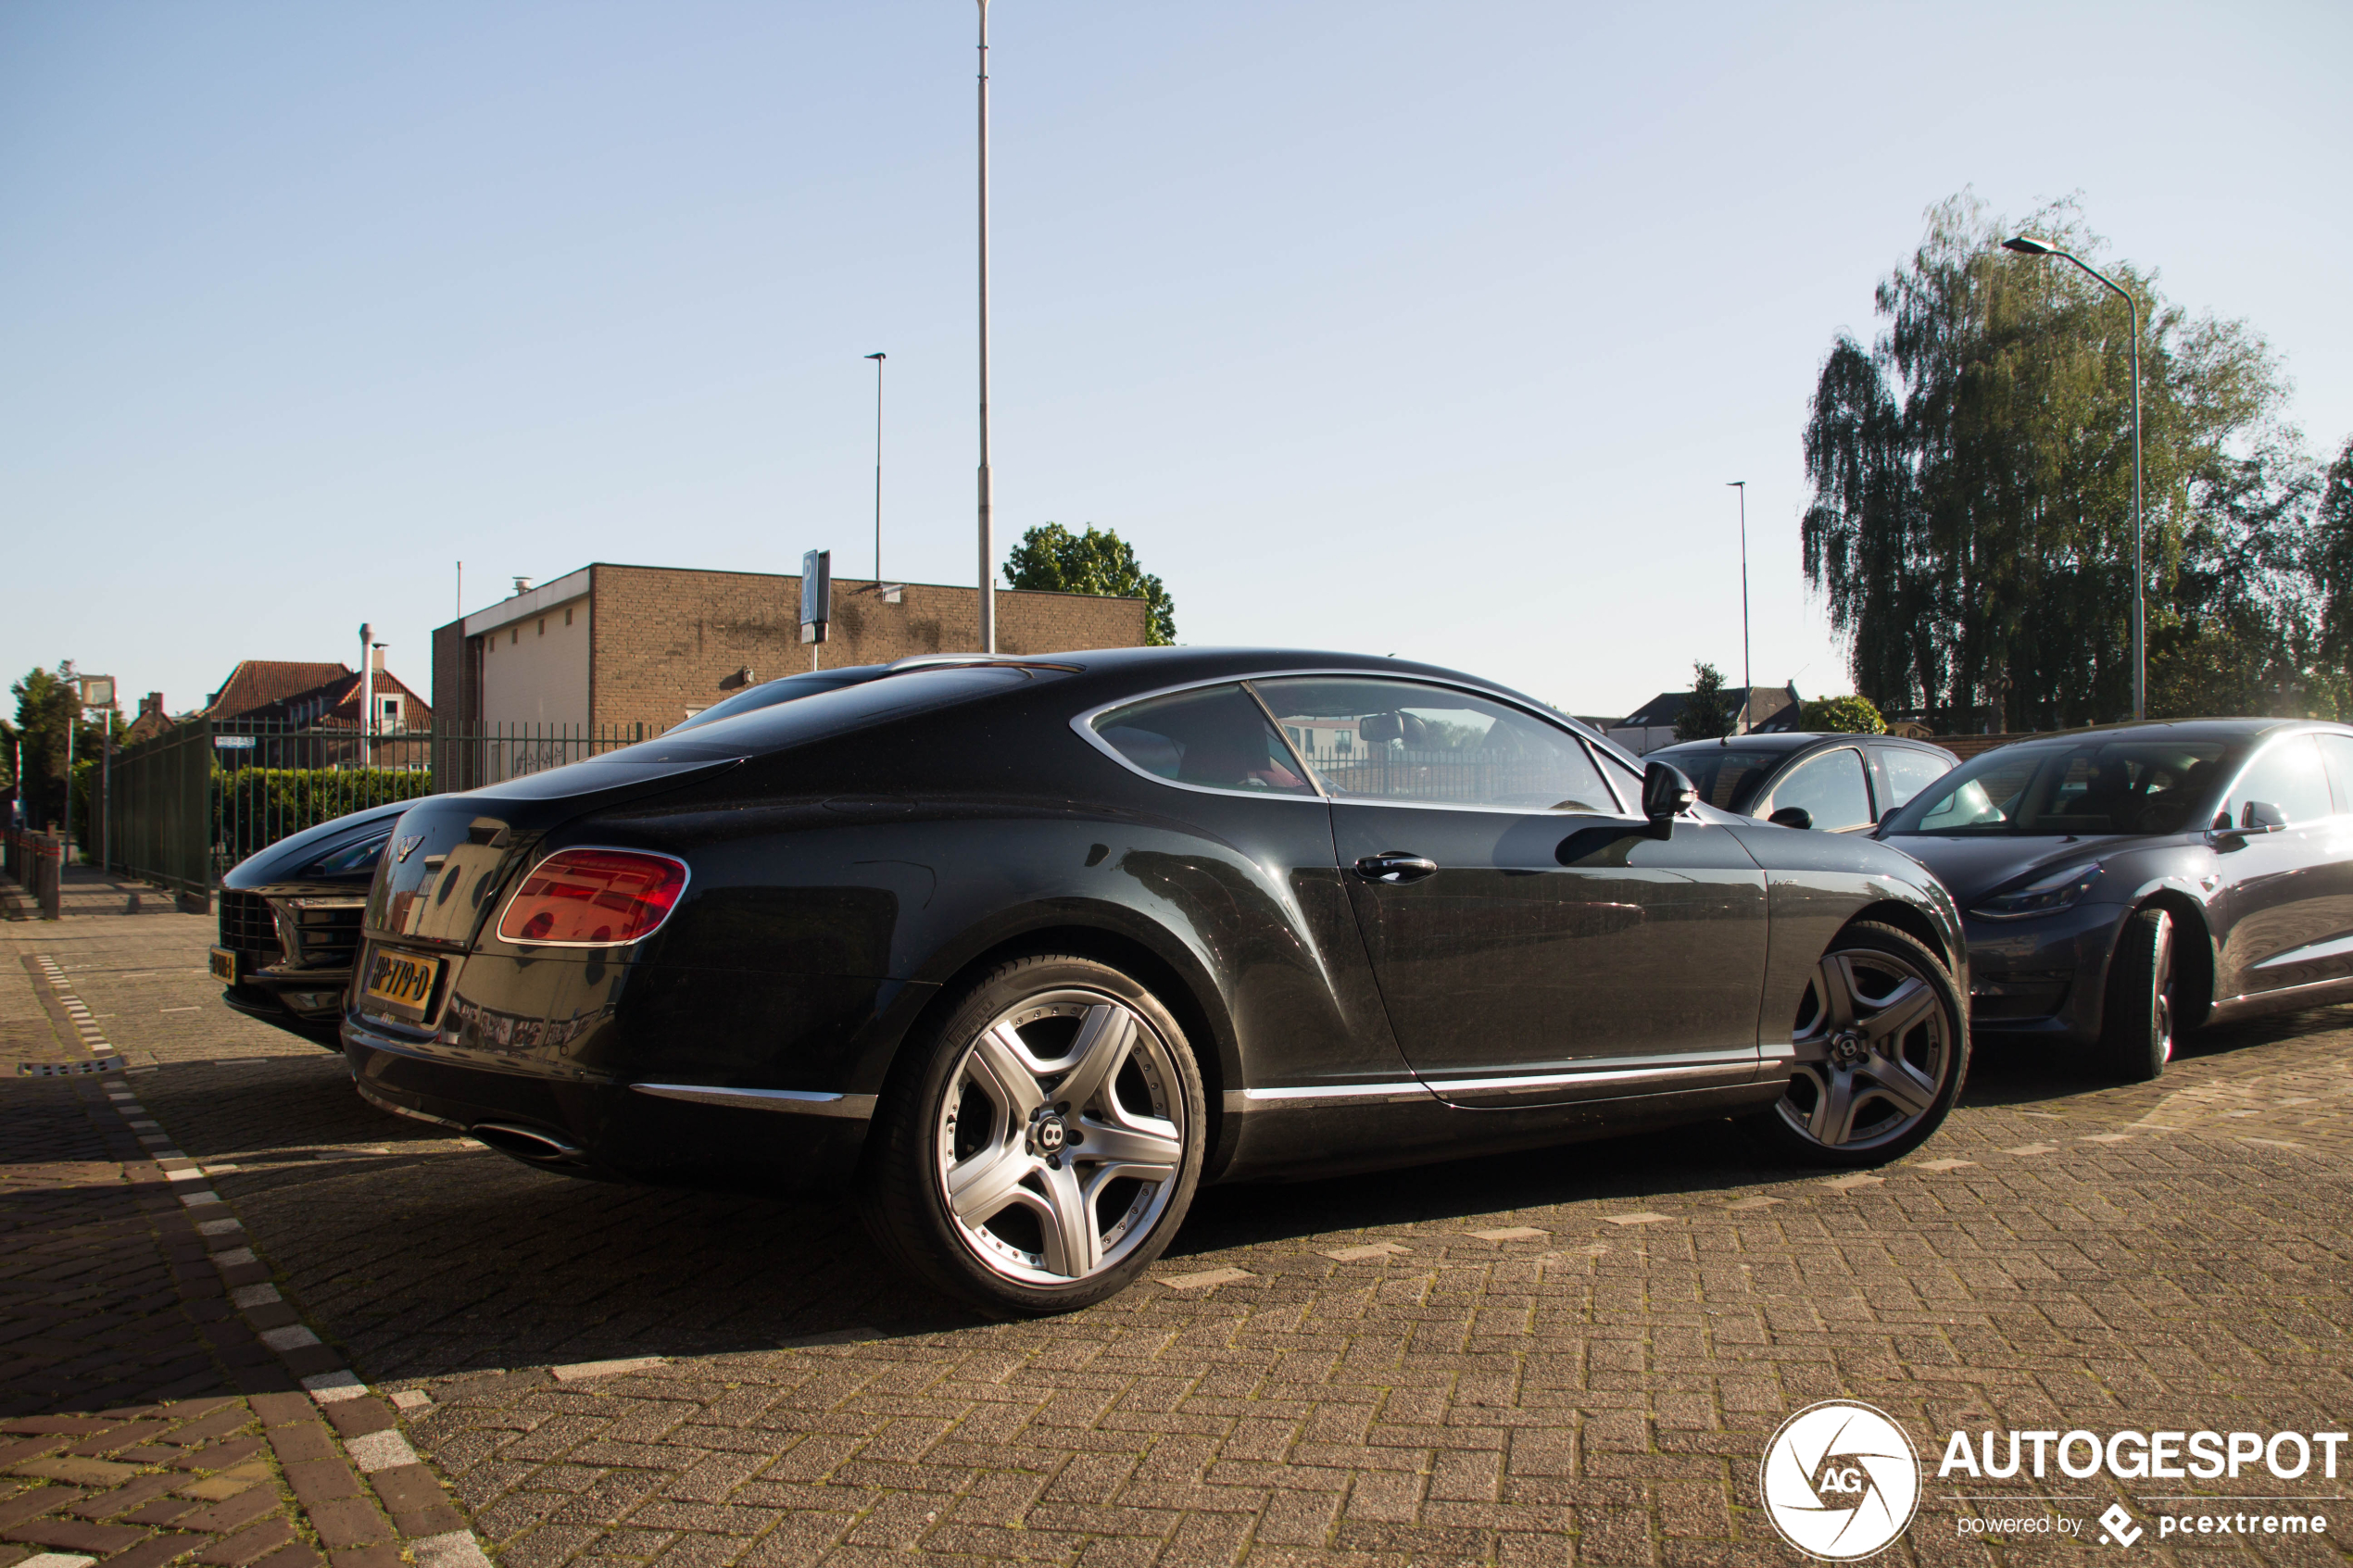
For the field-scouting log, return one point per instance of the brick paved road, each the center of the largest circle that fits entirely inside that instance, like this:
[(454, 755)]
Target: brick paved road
[(1375, 1381)]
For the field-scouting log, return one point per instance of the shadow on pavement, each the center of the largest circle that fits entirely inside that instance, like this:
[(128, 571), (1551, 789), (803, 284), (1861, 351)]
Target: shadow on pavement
[(437, 1256)]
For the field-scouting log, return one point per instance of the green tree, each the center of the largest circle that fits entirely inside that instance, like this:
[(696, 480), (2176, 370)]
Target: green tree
[(1973, 469), (1709, 711), (47, 702), (1841, 716), (2329, 562), (1053, 560)]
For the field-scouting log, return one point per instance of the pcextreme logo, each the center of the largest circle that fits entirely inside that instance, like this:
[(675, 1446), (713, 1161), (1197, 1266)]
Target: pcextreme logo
[(1840, 1480)]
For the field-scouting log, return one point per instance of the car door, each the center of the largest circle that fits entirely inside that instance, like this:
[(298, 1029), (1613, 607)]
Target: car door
[(2290, 890), (1832, 788), (1532, 941)]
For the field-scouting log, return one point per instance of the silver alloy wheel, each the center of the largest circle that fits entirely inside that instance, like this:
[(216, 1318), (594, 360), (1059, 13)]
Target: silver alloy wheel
[(1060, 1136), (2162, 985), (1873, 1051)]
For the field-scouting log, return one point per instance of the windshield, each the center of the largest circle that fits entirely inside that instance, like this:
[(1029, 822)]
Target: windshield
[(1725, 778), (769, 693), (2094, 786)]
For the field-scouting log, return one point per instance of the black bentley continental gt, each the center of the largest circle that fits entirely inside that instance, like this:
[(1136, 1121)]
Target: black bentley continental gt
[(2125, 884), (1025, 949)]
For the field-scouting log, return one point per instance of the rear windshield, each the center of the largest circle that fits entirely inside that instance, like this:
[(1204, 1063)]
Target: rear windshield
[(2088, 786), (809, 683), (847, 707)]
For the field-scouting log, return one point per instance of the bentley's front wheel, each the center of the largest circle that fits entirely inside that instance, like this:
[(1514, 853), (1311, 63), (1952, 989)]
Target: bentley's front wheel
[(1039, 1149), (1882, 1050)]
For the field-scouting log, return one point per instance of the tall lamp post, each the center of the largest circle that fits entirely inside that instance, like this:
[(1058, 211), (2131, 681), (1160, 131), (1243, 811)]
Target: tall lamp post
[(878, 359), (2026, 247), (987, 543), (1748, 678)]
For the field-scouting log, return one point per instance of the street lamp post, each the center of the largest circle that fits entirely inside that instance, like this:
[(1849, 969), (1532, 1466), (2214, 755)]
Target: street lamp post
[(878, 359), (2025, 247), (1748, 678), (987, 543)]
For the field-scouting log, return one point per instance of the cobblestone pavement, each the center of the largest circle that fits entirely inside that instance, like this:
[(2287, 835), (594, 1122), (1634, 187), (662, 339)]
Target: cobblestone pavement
[(149, 1408), (1568, 1356)]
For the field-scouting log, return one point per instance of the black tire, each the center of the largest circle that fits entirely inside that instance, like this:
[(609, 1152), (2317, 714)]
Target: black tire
[(2144, 1000), (1051, 1186), (1899, 1084)]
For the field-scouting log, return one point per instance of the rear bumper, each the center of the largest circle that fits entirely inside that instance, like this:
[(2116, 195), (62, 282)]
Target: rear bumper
[(308, 1003), (617, 1131)]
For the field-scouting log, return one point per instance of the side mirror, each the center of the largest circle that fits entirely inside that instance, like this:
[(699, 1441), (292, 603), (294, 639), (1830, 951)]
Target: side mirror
[(2261, 816), (1792, 817), (1666, 794), (1379, 727)]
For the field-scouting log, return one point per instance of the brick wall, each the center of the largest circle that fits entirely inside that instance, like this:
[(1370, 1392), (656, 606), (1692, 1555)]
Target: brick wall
[(664, 639), (449, 693)]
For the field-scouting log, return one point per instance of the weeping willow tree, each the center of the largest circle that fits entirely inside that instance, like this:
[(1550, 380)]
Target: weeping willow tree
[(1971, 521)]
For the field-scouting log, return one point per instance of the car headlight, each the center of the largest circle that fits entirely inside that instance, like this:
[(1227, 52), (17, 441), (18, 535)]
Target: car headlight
[(2062, 889)]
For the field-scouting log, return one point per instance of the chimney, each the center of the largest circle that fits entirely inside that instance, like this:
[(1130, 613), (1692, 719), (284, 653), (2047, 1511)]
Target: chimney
[(151, 703), (376, 658)]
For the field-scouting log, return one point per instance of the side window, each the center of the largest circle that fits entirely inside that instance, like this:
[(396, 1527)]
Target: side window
[(2338, 751), (1830, 787), (1219, 738), (1400, 740), (1908, 773), (2286, 775)]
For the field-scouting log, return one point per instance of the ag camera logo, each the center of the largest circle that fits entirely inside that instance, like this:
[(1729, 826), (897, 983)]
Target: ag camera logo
[(1840, 1481)]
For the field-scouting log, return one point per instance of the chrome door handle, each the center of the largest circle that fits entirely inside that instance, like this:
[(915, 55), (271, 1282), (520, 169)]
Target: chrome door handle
[(1394, 866)]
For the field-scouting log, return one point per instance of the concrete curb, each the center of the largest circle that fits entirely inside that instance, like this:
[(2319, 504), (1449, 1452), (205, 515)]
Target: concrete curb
[(366, 1493)]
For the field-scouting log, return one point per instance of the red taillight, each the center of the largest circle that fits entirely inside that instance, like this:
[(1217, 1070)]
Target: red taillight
[(593, 897)]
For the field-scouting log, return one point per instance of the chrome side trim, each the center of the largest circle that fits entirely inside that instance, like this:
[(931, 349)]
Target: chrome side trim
[(1542, 1082), (1239, 1101), (2285, 999), (804, 1102), (1308, 1096)]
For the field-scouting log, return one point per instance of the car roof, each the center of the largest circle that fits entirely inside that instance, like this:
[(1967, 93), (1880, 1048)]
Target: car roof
[(1784, 741), (2185, 729)]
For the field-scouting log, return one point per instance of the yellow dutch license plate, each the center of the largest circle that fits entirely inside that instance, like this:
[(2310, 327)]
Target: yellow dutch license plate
[(399, 985), (224, 965)]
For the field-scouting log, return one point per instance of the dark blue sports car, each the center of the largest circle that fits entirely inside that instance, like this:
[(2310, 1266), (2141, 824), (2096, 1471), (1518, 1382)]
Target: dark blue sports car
[(2124, 885)]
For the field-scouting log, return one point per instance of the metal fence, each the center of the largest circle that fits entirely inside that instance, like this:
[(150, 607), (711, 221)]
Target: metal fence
[(190, 803)]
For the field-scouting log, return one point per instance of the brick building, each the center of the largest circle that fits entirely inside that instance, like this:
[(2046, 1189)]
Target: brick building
[(617, 647)]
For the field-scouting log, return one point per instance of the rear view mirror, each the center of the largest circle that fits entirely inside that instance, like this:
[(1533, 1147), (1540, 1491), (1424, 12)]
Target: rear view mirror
[(1792, 817), (1377, 728), (1666, 794), (2261, 816)]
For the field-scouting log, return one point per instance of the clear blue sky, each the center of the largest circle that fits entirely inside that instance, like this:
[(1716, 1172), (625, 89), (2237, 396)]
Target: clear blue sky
[(1433, 330)]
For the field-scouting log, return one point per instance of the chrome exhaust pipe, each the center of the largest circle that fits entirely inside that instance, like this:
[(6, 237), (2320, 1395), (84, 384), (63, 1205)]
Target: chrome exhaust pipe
[(527, 1144)]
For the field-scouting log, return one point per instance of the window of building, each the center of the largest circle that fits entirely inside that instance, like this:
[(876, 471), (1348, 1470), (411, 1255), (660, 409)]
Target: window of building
[(567, 615)]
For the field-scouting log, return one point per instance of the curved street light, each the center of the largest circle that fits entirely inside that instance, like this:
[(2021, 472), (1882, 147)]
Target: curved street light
[(2025, 245)]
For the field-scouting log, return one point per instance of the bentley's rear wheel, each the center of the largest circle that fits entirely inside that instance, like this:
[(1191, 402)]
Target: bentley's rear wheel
[(1882, 1051), (1036, 1152)]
